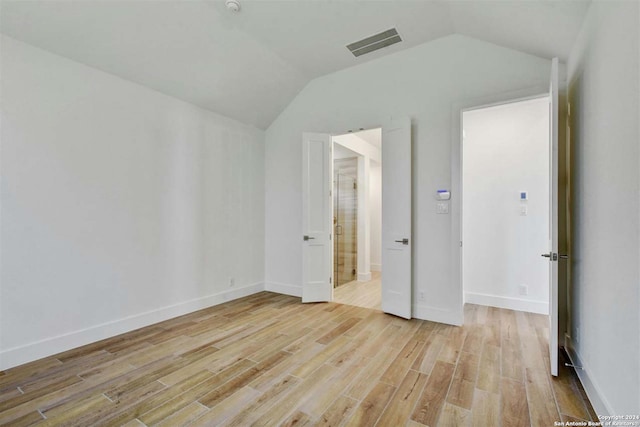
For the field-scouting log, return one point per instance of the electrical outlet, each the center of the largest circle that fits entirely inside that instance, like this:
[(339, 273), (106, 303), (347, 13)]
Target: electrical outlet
[(421, 296), (232, 282), (523, 290)]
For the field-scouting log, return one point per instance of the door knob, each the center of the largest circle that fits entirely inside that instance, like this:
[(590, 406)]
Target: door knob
[(554, 256), (306, 238), (551, 255), (403, 241)]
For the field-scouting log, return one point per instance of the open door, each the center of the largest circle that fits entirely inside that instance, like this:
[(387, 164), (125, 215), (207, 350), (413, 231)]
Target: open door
[(396, 218), (316, 218), (553, 218)]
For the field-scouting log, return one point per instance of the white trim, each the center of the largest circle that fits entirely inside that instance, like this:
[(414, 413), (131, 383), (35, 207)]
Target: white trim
[(364, 277), (283, 288), (540, 307), (376, 267), (436, 314), (50, 346), (596, 397), (457, 109)]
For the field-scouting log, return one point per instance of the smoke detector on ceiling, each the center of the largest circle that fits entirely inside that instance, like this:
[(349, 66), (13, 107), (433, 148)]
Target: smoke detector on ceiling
[(233, 5)]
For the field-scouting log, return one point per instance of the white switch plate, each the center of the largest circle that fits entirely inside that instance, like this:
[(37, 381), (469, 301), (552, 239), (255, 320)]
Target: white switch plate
[(523, 210), (442, 208)]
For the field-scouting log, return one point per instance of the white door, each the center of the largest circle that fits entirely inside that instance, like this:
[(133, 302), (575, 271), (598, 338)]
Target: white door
[(396, 218), (553, 218), (316, 218)]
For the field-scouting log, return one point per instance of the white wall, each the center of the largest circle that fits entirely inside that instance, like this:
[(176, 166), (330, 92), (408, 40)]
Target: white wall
[(120, 206), (375, 207), (604, 88), (506, 151), (422, 82)]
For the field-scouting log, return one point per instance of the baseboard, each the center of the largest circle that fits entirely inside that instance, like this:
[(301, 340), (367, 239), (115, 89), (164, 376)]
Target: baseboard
[(435, 314), (50, 346), (598, 401), (364, 277), (540, 307), (282, 288), (376, 267)]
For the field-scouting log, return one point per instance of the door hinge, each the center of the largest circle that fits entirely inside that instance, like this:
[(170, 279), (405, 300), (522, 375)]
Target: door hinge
[(329, 236), (355, 185), (460, 243), (329, 279)]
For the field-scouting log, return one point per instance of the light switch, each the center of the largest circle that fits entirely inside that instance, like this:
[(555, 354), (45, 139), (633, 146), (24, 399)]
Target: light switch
[(442, 208), (523, 210)]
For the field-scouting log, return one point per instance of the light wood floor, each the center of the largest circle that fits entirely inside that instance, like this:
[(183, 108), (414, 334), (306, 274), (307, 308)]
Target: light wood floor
[(269, 360), (361, 294)]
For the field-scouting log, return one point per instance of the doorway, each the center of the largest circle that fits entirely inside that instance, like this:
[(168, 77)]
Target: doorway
[(356, 218), (396, 237), (551, 254), (505, 209)]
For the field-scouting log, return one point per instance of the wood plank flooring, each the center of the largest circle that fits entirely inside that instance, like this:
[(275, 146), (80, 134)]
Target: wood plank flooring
[(361, 294), (267, 359)]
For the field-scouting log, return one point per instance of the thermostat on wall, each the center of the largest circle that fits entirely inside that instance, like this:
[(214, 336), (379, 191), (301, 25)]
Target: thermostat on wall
[(524, 196), (444, 195)]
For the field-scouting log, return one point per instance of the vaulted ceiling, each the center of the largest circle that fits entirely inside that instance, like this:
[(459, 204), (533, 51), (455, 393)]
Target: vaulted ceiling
[(250, 65)]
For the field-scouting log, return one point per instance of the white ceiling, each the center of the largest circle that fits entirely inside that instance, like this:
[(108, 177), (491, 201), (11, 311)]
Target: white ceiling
[(372, 136), (251, 64), (342, 152)]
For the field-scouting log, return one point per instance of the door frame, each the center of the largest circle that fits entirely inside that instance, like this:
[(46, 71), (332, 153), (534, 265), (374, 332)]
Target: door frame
[(333, 134), (457, 192)]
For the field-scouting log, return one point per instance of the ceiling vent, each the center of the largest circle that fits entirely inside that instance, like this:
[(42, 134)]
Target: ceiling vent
[(375, 42)]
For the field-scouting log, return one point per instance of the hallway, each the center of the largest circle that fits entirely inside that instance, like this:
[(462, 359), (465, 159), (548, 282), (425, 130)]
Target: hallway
[(360, 294)]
